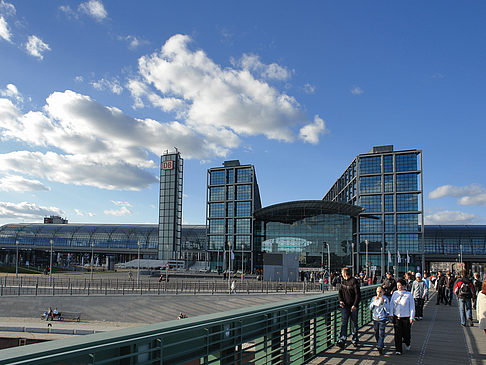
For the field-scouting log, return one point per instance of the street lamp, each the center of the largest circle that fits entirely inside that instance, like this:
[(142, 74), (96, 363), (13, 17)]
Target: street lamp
[(229, 264), (50, 263), (92, 259), (461, 256), (324, 244), (352, 256), (138, 267), (17, 259), (367, 267)]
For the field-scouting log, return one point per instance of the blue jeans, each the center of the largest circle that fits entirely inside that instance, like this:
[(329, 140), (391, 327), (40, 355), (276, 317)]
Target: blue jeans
[(346, 314), (465, 309), (380, 327)]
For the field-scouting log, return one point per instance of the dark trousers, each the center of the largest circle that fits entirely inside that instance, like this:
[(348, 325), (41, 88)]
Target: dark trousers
[(402, 328), (347, 315), (440, 294), (419, 307), (448, 295)]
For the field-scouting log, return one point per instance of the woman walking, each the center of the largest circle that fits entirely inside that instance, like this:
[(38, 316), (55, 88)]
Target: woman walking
[(379, 307)]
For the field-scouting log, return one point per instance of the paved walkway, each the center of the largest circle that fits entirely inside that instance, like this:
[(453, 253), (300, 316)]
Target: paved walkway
[(437, 339)]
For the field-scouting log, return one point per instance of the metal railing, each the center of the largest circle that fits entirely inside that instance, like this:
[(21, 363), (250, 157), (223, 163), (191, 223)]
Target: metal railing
[(290, 332), (40, 286)]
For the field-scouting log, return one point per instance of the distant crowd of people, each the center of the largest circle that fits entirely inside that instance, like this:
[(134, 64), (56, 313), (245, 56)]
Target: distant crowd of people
[(401, 302)]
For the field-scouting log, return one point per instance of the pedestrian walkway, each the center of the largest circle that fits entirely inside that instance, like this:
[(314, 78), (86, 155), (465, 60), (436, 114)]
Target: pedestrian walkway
[(438, 339)]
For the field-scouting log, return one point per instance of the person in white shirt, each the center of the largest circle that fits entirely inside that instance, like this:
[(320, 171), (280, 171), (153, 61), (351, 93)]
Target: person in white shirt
[(380, 310), (402, 313)]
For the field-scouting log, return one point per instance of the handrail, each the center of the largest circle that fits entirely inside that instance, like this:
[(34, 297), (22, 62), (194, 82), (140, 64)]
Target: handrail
[(289, 332)]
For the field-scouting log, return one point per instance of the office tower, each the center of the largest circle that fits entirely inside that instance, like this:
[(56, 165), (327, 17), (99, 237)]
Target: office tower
[(389, 185), (170, 206), (232, 197)]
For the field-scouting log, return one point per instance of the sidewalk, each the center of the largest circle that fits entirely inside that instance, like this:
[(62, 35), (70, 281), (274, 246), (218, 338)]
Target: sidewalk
[(438, 339)]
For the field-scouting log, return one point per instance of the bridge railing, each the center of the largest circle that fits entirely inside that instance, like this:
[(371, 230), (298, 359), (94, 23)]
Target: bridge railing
[(289, 332)]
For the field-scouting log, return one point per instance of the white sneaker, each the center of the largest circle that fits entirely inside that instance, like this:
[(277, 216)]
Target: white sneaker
[(407, 347)]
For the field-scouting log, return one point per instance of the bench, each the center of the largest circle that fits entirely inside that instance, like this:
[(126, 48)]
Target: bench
[(61, 316)]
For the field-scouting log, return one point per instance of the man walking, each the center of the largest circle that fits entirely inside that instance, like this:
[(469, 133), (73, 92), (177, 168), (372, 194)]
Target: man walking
[(402, 313), (448, 288), (478, 284), (464, 291), (419, 291), (349, 296), (389, 286)]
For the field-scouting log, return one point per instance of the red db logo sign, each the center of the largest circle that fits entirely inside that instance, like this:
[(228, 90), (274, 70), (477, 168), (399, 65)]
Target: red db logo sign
[(167, 165)]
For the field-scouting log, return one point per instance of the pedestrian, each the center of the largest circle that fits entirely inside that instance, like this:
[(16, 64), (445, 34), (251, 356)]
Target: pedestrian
[(440, 287), (448, 288), (419, 291), (349, 296), (427, 284), (380, 310), (402, 313), (477, 283), (233, 287), (464, 291), (389, 286), (481, 307)]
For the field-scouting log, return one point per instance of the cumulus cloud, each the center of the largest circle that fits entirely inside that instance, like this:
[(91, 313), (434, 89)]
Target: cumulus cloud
[(356, 90), (82, 214), (450, 217), (12, 92), (111, 85), (473, 194), (310, 132), (20, 184), (94, 8), (36, 47), (123, 209), (5, 30), (7, 8), (25, 210), (133, 41), (223, 104)]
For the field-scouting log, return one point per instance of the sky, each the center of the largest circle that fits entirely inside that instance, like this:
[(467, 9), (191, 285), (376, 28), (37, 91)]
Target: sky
[(93, 92)]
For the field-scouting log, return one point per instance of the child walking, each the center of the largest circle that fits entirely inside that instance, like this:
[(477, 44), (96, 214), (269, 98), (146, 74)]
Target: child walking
[(380, 308)]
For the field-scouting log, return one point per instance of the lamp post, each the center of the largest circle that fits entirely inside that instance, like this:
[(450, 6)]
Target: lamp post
[(50, 263), (229, 265), (460, 246), (352, 256), (17, 259), (324, 244), (138, 267), (92, 259), (367, 266)]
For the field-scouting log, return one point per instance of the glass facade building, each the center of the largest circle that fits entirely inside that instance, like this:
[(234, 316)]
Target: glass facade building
[(311, 228), (170, 206), (232, 198), (388, 185)]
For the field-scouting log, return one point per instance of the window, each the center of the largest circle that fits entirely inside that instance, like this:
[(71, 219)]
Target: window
[(216, 226), (406, 162), (230, 192), (388, 163), (370, 184), (216, 242), (407, 202), (243, 175), (230, 209), (243, 209), (389, 223), (370, 165), (407, 242), (243, 225), (407, 223), (371, 203), (216, 210), (230, 176), (407, 182), (367, 224), (230, 226), (389, 203), (388, 183), (216, 193), (243, 192), (216, 177), (242, 242)]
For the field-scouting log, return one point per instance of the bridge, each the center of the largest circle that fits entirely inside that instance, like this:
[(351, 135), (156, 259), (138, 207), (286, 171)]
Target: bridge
[(295, 331)]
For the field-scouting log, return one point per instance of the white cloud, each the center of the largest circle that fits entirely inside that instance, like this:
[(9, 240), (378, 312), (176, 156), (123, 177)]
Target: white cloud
[(66, 9), (273, 71), (36, 47), (309, 89), (21, 184), (356, 90), (7, 8), (12, 92), (221, 104), (82, 214), (5, 30), (473, 194), (133, 41), (112, 85), (25, 210), (450, 217), (123, 209), (310, 132), (95, 9), (79, 78)]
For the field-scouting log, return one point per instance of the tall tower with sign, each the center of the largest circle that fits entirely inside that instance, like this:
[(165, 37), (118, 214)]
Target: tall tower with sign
[(170, 206)]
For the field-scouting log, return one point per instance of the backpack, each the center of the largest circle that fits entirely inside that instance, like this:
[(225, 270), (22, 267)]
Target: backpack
[(464, 290)]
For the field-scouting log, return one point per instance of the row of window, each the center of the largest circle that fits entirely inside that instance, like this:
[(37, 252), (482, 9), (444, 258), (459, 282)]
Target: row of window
[(229, 226), (403, 203), (227, 176), (373, 164), (237, 242), (218, 193), (217, 210), (375, 184), (404, 223)]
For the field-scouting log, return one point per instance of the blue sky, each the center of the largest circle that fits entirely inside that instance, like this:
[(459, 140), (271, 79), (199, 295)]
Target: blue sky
[(92, 93)]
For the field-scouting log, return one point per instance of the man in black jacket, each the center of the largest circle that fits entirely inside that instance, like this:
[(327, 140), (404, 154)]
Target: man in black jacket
[(440, 286), (349, 296), (389, 286)]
